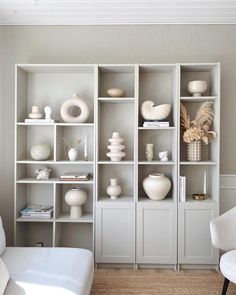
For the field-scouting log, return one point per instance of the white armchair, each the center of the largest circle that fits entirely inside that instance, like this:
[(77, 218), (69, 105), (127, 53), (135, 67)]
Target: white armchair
[(223, 235)]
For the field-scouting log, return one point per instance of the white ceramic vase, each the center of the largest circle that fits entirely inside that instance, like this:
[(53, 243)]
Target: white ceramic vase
[(75, 198), (156, 186), (113, 190), (116, 153), (40, 152), (197, 88), (35, 114), (72, 154), (151, 112), (149, 151)]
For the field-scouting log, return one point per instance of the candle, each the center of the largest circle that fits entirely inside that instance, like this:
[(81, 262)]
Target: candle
[(85, 149), (204, 183)]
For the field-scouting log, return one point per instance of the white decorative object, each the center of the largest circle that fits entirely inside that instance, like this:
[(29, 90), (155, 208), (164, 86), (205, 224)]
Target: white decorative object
[(43, 173), (156, 186), (163, 156), (151, 112), (149, 151), (197, 88), (70, 105), (116, 153), (48, 112), (116, 92), (40, 152), (75, 198), (113, 190), (72, 154), (35, 114), (85, 149)]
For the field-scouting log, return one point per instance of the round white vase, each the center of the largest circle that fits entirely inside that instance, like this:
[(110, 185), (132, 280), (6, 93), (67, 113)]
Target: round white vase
[(72, 154), (75, 198), (197, 88), (113, 190), (156, 186), (40, 152)]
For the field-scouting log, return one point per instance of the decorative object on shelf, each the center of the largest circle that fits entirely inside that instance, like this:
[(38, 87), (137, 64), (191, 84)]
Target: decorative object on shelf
[(72, 149), (156, 124), (72, 154), (197, 88), (151, 112), (74, 110), (204, 196), (43, 173), (35, 113), (75, 198), (116, 153), (85, 149), (149, 151), (48, 113), (37, 211), (116, 92), (199, 197), (163, 156), (72, 176), (113, 190), (198, 130), (156, 186), (40, 152)]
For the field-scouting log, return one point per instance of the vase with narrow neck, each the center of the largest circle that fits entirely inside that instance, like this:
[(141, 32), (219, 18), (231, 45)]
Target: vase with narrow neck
[(113, 190), (195, 151), (116, 148)]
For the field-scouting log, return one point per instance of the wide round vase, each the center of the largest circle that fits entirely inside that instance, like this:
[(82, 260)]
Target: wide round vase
[(113, 190), (75, 198), (115, 92), (197, 88), (40, 152), (156, 186)]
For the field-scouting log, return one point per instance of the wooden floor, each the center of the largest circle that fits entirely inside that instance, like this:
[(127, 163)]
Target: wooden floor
[(163, 282)]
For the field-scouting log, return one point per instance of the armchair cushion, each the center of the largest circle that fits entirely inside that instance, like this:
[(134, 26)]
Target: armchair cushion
[(228, 265), (4, 277), (2, 238)]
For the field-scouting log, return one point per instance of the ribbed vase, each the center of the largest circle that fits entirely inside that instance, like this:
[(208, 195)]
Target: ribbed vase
[(195, 151)]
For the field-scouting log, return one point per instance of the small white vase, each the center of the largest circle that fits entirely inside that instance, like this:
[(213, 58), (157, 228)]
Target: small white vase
[(35, 114), (116, 153), (156, 186), (75, 198), (72, 154), (149, 151), (113, 190), (197, 88)]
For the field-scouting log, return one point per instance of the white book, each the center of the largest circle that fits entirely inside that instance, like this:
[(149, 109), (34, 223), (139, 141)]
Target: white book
[(156, 124)]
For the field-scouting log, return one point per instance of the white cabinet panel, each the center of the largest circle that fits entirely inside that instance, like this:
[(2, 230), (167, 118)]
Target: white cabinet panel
[(115, 232), (157, 233), (194, 234)]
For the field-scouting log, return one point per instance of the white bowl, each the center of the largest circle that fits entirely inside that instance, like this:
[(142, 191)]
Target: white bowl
[(151, 112), (197, 88), (116, 92)]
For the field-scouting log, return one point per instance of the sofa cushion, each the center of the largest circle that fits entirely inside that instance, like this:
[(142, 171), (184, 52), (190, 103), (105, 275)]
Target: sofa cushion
[(228, 265), (4, 277), (2, 238)]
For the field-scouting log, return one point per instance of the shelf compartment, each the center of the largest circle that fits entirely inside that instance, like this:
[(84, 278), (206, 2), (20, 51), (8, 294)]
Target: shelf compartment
[(53, 180), (65, 162), (116, 163), (145, 199), (20, 219), (116, 99), (198, 99), (120, 199), (86, 218), (157, 128), (198, 163), (156, 163)]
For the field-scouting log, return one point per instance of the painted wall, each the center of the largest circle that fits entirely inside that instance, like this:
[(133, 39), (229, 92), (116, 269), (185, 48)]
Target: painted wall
[(112, 44)]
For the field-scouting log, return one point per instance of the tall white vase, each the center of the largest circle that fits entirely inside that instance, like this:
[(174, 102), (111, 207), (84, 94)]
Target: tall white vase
[(75, 198), (113, 190), (116, 153), (156, 186)]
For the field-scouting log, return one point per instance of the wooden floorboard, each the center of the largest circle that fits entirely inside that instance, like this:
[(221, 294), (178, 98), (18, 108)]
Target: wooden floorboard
[(163, 282)]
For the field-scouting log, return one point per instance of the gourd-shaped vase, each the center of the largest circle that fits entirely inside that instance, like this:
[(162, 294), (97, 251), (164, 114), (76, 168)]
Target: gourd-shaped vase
[(156, 186), (116, 147), (113, 190)]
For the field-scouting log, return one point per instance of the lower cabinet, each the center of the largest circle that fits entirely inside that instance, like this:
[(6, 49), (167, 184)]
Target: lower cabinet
[(194, 236), (115, 232), (157, 232)]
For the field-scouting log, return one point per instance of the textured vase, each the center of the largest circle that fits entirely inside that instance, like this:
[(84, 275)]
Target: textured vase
[(113, 190), (75, 198), (72, 154), (40, 152), (195, 151), (156, 186), (116, 153), (149, 151)]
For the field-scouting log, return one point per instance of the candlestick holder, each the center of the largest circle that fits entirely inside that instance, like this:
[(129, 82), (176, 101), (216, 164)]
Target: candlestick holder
[(200, 197)]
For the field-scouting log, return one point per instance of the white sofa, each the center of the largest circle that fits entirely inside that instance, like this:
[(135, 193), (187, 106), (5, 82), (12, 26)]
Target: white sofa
[(44, 271)]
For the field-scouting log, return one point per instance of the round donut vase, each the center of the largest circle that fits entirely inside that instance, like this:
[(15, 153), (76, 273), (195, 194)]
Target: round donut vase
[(40, 152), (75, 198), (73, 103), (156, 186)]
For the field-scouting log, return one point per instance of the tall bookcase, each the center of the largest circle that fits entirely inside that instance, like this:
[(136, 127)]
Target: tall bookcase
[(131, 230)]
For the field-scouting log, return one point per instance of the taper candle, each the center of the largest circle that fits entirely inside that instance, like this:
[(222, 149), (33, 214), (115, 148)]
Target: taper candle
[(204, 183), (85, 149)]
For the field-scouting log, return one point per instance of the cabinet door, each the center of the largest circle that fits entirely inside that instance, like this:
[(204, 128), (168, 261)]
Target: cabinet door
[(115, 232), (194, 234), (157, 233)]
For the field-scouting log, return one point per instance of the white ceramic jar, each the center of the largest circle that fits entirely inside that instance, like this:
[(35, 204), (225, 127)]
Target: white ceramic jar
[(75, 198), (156, 186), (40, 152), (197, 88), (113, 190)]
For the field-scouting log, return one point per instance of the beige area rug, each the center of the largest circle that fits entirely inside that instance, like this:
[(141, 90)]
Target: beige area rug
[(163, 282)]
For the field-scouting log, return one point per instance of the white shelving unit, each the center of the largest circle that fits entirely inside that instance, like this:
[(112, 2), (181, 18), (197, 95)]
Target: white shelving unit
[(131, 229)]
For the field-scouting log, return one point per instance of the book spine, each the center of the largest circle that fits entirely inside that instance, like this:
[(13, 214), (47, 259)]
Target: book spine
[(180, 189), (184, 188)]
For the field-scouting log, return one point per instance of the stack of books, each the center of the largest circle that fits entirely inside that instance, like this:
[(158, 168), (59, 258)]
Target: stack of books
[(182, 189), (156, 123), (37, 211), (75, 177)]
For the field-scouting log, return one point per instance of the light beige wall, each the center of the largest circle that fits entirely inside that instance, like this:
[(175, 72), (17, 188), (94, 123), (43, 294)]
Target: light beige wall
[(113, 44)]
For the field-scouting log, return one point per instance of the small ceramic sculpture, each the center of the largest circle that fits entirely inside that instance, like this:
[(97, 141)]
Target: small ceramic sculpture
[(74, 102), (75, 198), (116, 92), (113, 190), (48, 113), (156, 186), (43, 173), (40, 152), (116, 153), (197, 88), (163, 156), (151, 112), (149, 151), (35, 114)]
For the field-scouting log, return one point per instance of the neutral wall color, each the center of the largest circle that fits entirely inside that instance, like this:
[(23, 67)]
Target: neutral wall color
[(112, 44)]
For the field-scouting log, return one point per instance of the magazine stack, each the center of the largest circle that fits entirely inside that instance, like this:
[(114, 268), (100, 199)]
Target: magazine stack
[(37, 211)]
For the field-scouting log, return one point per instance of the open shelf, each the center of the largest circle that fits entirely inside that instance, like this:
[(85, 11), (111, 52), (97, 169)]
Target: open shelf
[(20, 219), (121, 198), (86, 218), (198, 163), (116, 99), (156, 163), (145, 199), (198, 99), (54, 180)]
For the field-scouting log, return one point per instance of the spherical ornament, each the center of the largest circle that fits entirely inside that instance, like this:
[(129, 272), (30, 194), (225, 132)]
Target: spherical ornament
[(40, 152)]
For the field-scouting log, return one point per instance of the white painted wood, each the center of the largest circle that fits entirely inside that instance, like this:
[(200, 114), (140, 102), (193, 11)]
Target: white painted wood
[(227, 192)]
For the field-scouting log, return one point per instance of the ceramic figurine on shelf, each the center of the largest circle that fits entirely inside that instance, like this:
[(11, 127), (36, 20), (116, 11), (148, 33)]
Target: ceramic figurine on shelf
[(48, 113), (197, 88), (85, 149), (113, 190), (163, 156), (35, 113), (43, 173), (116, 153), (72, 149), (75, 198), (149, 151), (151, 112)]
